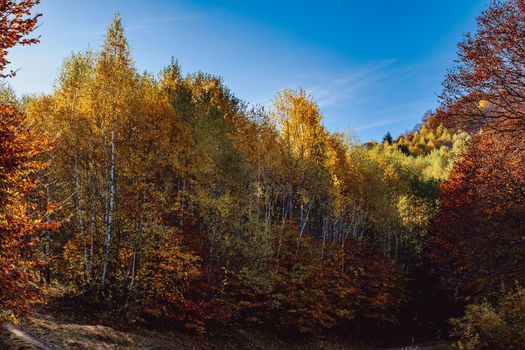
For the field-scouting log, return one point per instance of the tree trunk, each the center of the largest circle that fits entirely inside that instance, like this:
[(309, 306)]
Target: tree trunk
[(111, 204), (93, 208), (136, 245), (81, 219), (47, 242)]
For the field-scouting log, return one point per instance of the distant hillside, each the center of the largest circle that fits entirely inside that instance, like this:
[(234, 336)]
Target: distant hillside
[(426, 138)]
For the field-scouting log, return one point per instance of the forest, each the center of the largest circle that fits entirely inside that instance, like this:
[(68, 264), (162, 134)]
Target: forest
[(162, 201)]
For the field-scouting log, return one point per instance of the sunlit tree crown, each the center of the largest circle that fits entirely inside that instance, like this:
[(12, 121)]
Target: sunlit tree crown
[(116, 47)]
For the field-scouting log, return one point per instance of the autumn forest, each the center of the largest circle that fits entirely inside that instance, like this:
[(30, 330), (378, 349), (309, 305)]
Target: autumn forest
[(161, 201)]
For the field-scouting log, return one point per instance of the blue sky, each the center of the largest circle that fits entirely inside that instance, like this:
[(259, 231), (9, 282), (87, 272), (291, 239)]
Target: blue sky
[(373, 66)]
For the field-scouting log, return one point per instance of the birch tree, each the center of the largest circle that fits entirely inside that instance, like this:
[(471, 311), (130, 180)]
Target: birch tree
[(115, 88)]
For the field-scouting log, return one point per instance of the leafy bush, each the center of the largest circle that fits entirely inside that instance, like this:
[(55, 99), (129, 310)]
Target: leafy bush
[(493, 327)]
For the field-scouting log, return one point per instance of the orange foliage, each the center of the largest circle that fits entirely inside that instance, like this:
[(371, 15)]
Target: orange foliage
[(16, 22), (18, 167), (290, 294)]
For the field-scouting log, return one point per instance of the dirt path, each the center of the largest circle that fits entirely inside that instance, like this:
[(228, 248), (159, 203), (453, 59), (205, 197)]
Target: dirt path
[(23, 339), (48, 334)]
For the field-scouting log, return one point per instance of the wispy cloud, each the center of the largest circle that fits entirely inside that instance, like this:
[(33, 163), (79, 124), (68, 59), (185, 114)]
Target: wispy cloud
[(399, 113), (380, 123), (335, 89)]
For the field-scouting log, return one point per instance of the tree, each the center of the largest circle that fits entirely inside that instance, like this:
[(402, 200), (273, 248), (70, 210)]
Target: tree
[(477, 248), (115, 80), (90, 118), (303, 140), (20, 223), (388, 138), (19, 165), (16, 22), (477, 245), (486, 89)]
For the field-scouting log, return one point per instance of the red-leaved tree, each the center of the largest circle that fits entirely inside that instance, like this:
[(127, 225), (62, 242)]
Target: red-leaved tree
[(486, 88), (478, 243), (19, 165)]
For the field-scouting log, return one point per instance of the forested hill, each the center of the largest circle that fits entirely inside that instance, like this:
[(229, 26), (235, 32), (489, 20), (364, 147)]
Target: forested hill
[(427, 139), (161, 201)]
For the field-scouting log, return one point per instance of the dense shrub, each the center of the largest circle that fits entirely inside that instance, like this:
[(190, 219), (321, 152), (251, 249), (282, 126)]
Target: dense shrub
[(485, 326)]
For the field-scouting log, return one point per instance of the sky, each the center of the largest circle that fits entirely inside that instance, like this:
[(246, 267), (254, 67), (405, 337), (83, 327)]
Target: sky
[(372, 66)]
